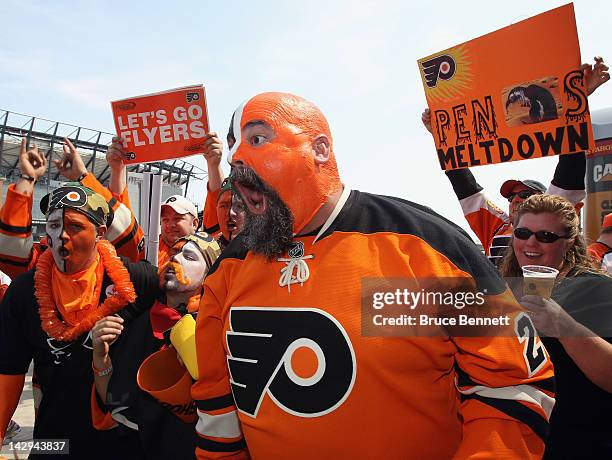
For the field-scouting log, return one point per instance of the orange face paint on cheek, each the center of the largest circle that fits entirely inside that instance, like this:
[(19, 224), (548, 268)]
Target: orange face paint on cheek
[(81, 241), (223, 209), (287, 161)]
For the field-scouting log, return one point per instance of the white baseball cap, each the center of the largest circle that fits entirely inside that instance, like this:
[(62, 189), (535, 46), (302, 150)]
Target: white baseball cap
[(181, 205)]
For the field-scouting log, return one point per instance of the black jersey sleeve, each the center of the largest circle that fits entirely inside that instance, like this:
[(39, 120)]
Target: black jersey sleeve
[(15, 350)]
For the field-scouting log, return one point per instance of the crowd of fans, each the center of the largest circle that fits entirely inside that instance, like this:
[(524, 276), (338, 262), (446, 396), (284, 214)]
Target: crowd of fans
[(198, 355)]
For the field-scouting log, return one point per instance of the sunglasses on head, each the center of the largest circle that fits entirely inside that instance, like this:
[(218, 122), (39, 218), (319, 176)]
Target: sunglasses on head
[(523, 194), (542, 236)]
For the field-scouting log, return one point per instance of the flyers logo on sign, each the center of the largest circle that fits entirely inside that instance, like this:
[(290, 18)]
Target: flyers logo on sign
[(302, 358), (439, 67), (192, 97), (447, 75), (194, 147)]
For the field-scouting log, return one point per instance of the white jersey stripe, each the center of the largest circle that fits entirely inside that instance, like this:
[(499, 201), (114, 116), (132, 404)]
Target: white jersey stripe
[(478, 201), (121, 222), (574, 196), (525, 393), (219, 426), (16, 246)]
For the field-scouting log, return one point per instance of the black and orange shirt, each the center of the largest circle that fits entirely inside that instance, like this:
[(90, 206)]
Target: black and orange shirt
[(602, 254), (19, 253), (580, 425), (491, 224), (345, 395), (64, 368)]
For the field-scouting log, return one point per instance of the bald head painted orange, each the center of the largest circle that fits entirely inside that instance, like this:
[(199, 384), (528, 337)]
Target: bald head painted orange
[(287, 141)]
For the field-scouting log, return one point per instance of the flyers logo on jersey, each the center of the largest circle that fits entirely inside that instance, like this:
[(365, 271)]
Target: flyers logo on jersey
[(301, 357), (442, 67)]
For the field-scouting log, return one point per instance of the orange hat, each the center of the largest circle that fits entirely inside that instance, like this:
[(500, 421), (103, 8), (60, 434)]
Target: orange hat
[(287, 161), (607, 221)]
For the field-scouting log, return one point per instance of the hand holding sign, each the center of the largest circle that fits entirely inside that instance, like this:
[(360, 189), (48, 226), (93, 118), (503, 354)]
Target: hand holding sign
[(162, 126), (115, 155), (426, 119), (595, 76), (213, 150), (496, 99)]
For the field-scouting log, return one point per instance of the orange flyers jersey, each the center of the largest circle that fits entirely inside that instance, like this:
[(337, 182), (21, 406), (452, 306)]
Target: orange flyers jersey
[(124, 232), (19, 253), (210, 221), (602, 253), (491, 224), (285, 371)]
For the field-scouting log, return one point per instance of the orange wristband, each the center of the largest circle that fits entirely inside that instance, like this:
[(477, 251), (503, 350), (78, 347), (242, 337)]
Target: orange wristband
[(102, 372)]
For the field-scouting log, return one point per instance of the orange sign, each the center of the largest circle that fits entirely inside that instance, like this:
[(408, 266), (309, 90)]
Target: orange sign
[(162, 126), (510, 95)]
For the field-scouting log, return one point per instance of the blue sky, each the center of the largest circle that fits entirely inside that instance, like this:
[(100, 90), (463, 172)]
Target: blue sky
[(66, 60)]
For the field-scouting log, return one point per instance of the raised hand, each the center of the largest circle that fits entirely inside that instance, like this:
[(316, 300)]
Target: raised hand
[(71, 165), (426, 119), (213, 153), (116, 154), (214, 150), (32, 162), (596, 75)]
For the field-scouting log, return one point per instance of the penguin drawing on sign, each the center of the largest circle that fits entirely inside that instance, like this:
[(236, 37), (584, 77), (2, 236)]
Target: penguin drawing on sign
[(542, 105)]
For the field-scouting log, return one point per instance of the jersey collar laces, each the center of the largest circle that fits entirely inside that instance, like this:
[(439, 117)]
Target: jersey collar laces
[(297, 260), (287, 277)]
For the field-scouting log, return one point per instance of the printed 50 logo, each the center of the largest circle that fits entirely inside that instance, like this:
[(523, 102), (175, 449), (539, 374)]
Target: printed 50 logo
[(301, 357)]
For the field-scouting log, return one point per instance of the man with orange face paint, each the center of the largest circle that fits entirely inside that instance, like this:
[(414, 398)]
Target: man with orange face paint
[(284, 368), (160, 433), (48, 312), (229, 217)]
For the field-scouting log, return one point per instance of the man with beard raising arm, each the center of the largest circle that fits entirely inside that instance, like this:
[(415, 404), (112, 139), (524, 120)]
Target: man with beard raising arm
[(285, 370)]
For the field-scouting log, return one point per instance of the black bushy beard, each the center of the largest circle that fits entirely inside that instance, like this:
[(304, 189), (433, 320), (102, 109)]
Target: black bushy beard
[(270, 233)]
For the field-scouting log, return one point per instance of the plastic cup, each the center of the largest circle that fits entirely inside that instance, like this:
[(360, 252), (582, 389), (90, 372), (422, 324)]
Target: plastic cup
[(539, 280), (163, 377)]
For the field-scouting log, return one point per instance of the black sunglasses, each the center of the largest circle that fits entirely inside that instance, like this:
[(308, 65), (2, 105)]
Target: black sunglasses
[(542, 236), (523, 194)]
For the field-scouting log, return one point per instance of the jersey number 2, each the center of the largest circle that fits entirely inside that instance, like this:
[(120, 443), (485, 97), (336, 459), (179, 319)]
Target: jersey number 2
[(533, 352)]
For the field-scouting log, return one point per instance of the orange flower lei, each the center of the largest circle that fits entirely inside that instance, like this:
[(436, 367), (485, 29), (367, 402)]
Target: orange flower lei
[(49, 320), (194, 304)]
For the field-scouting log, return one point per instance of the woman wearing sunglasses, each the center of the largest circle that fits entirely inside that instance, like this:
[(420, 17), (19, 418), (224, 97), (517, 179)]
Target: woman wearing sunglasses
[(575, 325)]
